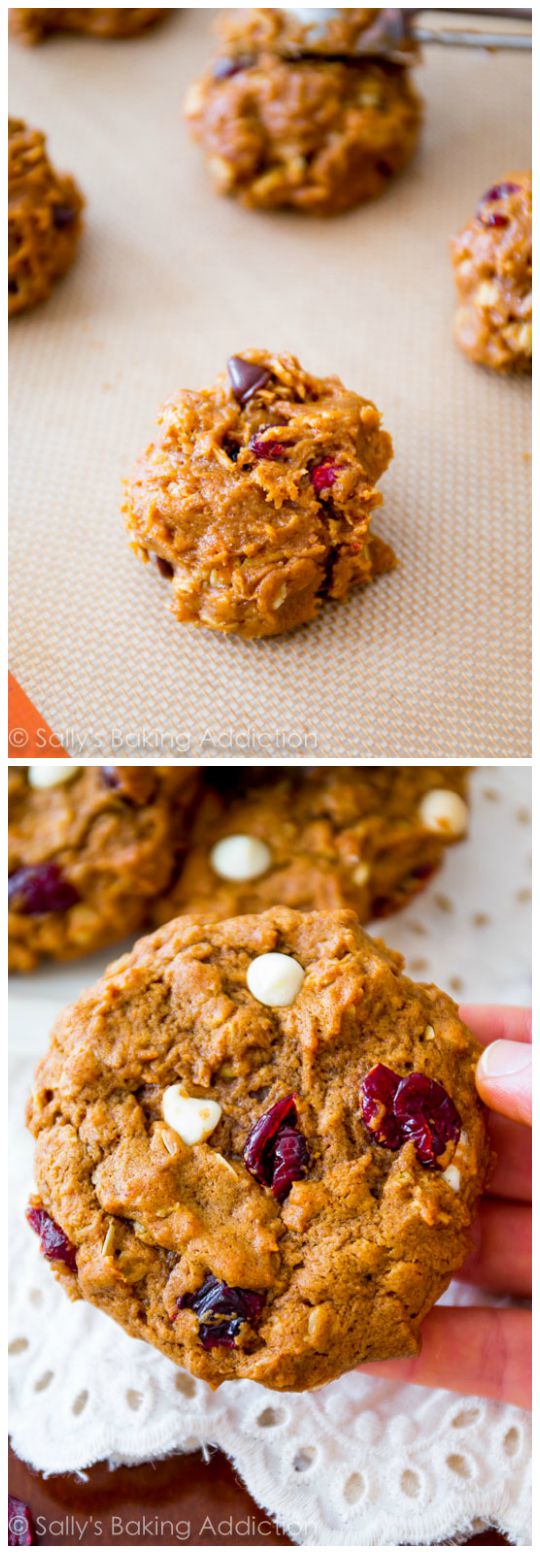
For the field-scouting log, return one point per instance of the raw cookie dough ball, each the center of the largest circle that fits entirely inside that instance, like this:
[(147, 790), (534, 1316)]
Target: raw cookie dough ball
[(89, 848), (492, 259), (260, 1147), (365, 837), (256, 496), (44, 218), (317, 134), (33, 25)]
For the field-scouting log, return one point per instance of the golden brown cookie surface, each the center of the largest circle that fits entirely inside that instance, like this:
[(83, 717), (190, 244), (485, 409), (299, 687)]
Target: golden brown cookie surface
[(259, 1147), (318, 135), (88, 852), (256, 496), (368, 838), (44, 218), (492, 260)]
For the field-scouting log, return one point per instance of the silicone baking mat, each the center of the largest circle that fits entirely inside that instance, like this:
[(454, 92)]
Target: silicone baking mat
[(432, 660)]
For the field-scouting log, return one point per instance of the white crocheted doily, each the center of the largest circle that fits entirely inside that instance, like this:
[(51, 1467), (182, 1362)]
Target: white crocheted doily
[(359, 1461)]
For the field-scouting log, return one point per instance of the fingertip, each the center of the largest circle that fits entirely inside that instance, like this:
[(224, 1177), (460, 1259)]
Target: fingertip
[(504, 1079)]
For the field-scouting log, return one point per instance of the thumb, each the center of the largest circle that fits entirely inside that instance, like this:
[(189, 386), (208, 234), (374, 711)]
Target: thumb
[(504, 1079)]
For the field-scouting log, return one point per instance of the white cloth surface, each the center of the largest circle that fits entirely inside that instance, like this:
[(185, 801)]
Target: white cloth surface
[(360, 1461)]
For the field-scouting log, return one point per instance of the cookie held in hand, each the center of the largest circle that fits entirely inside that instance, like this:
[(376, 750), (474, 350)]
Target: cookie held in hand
[(259, 1147), (255, 497)]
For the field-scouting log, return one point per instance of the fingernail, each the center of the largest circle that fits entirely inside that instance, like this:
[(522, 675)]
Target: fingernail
[(504, 1058)]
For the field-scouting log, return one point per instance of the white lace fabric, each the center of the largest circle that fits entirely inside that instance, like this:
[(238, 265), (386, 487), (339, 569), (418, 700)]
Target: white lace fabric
[(359, 1461)]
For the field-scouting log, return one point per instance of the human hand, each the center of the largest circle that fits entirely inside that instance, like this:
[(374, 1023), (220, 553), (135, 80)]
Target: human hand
[(481, 1350)]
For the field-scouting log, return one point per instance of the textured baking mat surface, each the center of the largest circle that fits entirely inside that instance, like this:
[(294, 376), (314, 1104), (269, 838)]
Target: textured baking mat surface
[(358, 1462), (432, 660)]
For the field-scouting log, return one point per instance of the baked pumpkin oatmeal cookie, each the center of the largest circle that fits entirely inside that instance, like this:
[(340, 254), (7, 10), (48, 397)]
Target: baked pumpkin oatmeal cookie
[(44, 218), (259, 1147), (34, 25), (89, 848), (365, 837), (255, 497), (283, 125), (492, 260)]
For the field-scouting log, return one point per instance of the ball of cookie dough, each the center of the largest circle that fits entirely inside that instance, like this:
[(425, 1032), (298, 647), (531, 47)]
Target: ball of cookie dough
[(317, 134), (492, 260), (279, 1077), (89, 848), (44, 218), (255, 498), (33, 25), (337, 31), (365, 837)]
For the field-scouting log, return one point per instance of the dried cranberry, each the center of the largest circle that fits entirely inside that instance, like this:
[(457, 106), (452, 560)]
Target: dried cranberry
[(223, 68), (20, 1530), (498, 192), (291, 1161), (63, 216), (41, 888), (426, 1114), (378, 1096), (53, 1242), (246, 378), (423, 871), (495, 218), (275, 1151), (266, 449), (415, 1107), (324, 475), (222, 1311)]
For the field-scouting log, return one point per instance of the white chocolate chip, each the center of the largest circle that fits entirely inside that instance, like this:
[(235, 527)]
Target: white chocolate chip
[(361, 874), (444, 811), (51, 774), (429, 1033), (486, 295), (192, 1117), (240, 858), (275, 979), (453, 1176)]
